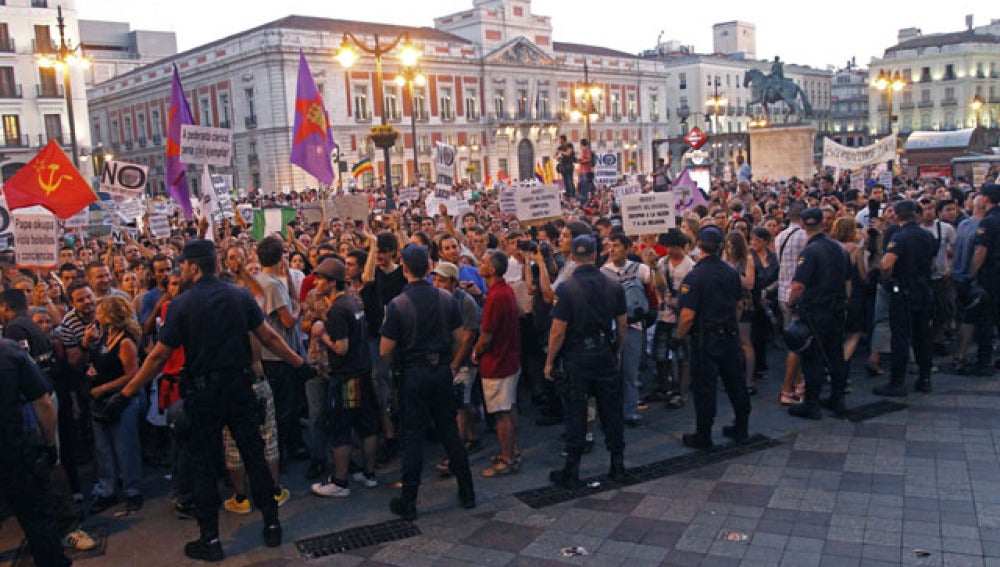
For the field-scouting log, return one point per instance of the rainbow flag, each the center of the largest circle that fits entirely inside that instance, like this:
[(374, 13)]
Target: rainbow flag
[(362, 166)]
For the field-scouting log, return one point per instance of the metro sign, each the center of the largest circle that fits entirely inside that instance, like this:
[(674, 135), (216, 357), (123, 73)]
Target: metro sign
[(695, 138)]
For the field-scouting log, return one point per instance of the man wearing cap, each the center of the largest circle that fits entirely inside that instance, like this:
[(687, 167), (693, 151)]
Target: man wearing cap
[(586, 306), (351, 405), (421, 325), (906, 274), (446, 277), (213, 320), (708, 304), (819, 293)]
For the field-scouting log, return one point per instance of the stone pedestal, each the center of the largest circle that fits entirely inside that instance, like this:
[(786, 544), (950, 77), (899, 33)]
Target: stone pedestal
[(782, 152)]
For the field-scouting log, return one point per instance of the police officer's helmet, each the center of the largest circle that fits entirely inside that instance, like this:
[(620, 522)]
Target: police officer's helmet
[(798, 337)]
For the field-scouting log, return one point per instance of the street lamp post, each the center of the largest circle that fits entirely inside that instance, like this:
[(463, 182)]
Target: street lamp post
[(716, 100), (62, 60), (889, 83), (411, 75), (977, 106), (347, 56), (587, 92)]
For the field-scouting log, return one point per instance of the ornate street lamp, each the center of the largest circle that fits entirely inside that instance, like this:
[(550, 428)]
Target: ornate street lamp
[(61, 60), (384, 136), (585, 95), (977, 106), (889, 83), (411, 75)]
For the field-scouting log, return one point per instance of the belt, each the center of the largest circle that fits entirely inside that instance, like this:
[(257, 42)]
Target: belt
[(215, 377), (723, 331)]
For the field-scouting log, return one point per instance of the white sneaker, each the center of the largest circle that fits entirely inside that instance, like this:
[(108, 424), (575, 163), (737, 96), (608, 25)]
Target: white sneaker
[(78, 540), (330, 488), (368, 481)]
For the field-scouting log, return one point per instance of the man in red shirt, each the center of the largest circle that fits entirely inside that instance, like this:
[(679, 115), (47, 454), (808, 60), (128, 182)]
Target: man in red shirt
[(498, 352)]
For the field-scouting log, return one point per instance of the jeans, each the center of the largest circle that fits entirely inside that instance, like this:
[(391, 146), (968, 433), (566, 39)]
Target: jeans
[(119, 453), (316, 404), (631, 356), (568, 184), (585, 184)]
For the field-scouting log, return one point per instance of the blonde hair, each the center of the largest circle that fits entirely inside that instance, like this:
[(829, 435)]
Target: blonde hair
[(120, 315), (844, 230)]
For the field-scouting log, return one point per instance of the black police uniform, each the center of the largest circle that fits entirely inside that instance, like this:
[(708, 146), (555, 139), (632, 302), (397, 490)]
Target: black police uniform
[(421, 320), (590, 302), (910, 306), (988, 236), (712, 290), (824, 269), (212, 321), (25, 463)]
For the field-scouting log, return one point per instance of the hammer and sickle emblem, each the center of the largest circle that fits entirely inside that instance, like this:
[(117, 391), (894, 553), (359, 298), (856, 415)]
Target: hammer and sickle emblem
[(54, 181)]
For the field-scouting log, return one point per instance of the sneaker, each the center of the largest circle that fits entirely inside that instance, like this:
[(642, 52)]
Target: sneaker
[(204, 550), (272, 535), (330, 489), (78, 540), (283, 496), (369, 481), (237, 506)]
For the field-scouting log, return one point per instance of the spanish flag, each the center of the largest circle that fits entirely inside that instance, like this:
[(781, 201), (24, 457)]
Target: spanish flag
[(49, 180), (362, 166), (550, 172), (539, 172)]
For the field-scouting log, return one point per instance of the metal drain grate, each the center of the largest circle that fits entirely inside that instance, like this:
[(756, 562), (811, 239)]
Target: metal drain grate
[(355, 538), (874, 409), (552, 495)]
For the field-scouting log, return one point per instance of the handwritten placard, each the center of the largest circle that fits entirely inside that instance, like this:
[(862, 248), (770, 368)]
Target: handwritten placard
[(649, 213), (539, 202)]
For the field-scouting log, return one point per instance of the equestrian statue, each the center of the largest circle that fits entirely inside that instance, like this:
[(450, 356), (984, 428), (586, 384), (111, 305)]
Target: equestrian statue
[(769, 89)]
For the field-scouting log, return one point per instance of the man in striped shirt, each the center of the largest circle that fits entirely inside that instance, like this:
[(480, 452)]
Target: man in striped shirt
[(790, 243)]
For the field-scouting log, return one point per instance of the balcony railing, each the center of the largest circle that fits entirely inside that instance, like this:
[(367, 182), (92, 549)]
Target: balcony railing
[(654, 117), (421, 116), (925, 104), (472, 117), (448, 116), (44, 139), (250, 122), (49, 91), (424, 150), (225, 124), (7, 45), (906, 105), (616, 116), (994, 99), (683, 112), (11, 91), (949, 102), (361, 117), (43, 46), (17, 142)]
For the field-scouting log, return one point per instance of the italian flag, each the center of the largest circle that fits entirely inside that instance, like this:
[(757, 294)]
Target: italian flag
[(269, 221)]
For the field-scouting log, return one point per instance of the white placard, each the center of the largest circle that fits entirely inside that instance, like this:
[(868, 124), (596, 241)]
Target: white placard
[(630, 189), (79, 220), (131, 210), (353, 207), (202, 145), (124, 180), (410, 194), (160, 207), (649, 213), (444, 163), (443, 191), (508, 202), (885, 179), (540, 202), (606, 170), (122, 235), (36, 241), (159, 226)]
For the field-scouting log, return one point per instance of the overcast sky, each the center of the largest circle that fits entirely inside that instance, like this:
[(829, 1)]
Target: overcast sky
[(810, 33)]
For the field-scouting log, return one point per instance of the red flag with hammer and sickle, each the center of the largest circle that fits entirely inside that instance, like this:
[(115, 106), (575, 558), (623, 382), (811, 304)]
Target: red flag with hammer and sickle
[(49, 180)]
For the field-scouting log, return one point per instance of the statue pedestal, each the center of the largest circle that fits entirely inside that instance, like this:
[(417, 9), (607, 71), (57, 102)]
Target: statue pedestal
[(782, 152)]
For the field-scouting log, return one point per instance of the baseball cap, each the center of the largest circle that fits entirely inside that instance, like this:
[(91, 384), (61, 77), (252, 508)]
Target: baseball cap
[(812, 217), (447, 269), (711, 235), (198, 248), (905, 207), (584, 245), (992, 192), (331, 269), (416, 259)]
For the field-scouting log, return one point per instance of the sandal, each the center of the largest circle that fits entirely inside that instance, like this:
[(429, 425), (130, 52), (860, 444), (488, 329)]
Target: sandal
[(500, 468), (518, 459), (790, 399)]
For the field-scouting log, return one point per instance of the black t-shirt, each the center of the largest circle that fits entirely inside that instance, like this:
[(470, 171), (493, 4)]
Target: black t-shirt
[(20, 381), (346, 320), (378, 294), (21, 328)]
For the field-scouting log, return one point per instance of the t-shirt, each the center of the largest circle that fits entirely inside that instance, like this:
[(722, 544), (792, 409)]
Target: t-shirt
[(677, 274), (501, 319), (346, 320), (71, 329), (387, 286), (275, 296), (946, 242), (470, 316)]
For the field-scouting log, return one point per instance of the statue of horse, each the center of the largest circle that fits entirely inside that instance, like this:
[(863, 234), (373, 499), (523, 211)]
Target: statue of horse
[(766, 91)]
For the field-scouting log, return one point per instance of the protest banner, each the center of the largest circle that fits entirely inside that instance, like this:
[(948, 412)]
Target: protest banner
[(410, 194), (159, 207), (36, 241), (858, 180), (508, 202), (844, 157), (203, 145), (444, 163), (539, 202), (606, 169), (159, 226), (79, 220), (630, 189), (123, 234), (124, 180), (353, 207), (6, 236), (130, 210), (649, 213)]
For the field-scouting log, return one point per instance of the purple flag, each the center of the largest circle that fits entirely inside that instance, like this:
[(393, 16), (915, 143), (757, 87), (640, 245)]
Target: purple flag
[(687, 195), (313, 139), (180, 113)]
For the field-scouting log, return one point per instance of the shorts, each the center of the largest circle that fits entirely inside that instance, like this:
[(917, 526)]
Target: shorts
[(351, 406), (500, 394), (465, 378), (268, 430)]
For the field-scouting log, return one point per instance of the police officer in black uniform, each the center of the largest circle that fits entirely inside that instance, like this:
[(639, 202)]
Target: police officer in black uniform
[(708, 301), (906, 274), (819, 293), (586, 306), (421, 324), (213, 320), (985, 268), (28, 455)]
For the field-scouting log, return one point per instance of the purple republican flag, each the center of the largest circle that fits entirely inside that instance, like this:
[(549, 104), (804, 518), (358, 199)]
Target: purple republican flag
[(313, 140), (180, 113), (687, 195)]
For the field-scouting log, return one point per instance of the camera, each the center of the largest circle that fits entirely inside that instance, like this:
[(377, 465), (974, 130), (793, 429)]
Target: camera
[(546, 249), (527, 246)]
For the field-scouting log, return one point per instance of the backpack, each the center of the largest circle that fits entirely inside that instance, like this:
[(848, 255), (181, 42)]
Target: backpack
[(636, 300)]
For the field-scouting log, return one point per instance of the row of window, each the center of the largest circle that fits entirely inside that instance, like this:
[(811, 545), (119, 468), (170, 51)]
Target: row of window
[(48, 85), (14, 137)]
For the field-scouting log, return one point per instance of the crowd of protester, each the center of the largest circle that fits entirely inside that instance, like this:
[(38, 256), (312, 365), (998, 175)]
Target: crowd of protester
[(99, 313)]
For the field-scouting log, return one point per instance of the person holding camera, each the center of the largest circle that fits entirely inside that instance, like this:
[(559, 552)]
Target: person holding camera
[(567, 159)]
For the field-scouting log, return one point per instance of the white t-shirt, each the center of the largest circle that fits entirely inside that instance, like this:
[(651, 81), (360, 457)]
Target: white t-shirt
[(942, 263), (677, 274)]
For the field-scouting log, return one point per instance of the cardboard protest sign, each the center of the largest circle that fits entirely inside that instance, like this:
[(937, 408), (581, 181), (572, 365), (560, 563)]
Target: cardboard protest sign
[(539, 202), (630, 189), (159, 226), (353, 207), (36, 241), (649, 213), (124, 180), (203, 145)]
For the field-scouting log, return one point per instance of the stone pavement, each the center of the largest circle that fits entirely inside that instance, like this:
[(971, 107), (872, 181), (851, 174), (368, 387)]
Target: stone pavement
[(915, 487)]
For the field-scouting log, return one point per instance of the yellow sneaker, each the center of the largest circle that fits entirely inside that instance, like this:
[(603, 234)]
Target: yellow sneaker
[(283, 497), (237, 506)]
